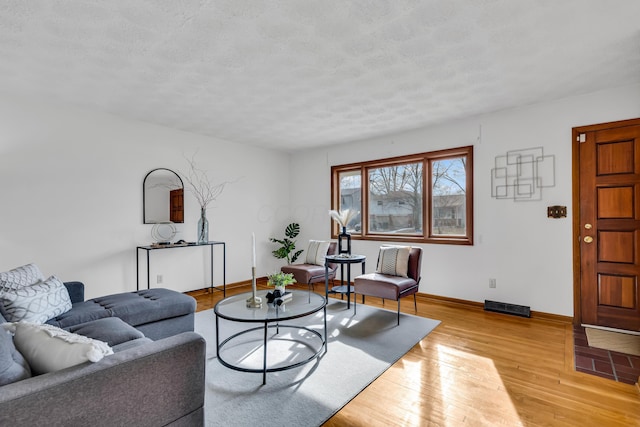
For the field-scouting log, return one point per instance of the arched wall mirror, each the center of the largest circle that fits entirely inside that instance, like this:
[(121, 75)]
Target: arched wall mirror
[(162, 197)]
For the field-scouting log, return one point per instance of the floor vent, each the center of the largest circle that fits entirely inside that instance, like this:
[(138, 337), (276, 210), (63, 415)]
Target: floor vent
[(503, 307)]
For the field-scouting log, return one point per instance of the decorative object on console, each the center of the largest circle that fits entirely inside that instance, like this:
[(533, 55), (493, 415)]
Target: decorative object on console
[(203, 227), (343, 218), (205, 192), (288, 245), (163, 232)]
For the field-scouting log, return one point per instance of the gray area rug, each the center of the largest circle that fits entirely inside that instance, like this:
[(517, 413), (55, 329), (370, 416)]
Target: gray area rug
[(360, 348)]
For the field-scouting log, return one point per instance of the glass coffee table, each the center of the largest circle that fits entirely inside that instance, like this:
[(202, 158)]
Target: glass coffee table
[(270, 317)]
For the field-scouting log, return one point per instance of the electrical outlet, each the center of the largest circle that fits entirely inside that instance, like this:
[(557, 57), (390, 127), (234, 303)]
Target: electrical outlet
[(159, 279), (492, 283)]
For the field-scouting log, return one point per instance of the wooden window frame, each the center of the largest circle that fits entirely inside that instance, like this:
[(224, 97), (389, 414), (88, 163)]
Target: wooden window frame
[(427, 199)]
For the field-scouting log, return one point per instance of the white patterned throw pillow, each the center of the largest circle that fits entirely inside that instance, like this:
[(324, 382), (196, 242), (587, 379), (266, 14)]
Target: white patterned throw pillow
[(36, 303), (20, 277), (394, 260), (48, 348), (316, 252)]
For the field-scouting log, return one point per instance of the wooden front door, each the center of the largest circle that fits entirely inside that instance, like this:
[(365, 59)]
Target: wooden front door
[(607, 224)]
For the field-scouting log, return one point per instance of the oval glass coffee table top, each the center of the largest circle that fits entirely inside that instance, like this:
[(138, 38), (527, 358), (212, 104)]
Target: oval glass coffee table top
[(301, 304)]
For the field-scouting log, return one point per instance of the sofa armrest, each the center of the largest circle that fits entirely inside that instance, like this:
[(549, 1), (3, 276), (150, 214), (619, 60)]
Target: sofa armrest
[(150, 385), (76, 291)]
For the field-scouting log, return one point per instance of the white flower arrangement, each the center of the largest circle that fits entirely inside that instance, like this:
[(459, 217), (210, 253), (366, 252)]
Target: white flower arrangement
[(343, 217)]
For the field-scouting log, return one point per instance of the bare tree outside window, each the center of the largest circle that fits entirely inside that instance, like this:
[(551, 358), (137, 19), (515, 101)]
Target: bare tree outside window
[(448, 192), (351, 198), (395, 199)]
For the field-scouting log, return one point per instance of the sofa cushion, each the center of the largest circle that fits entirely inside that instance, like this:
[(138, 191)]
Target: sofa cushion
[(135, 308), (21, 276), (394, 260), (146, 306), (48, 349), (111, 330), (35, 303), (316, 252), (80, 312), (13, 367)]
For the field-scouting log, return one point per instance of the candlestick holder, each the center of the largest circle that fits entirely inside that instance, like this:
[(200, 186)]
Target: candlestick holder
[(254, 301)]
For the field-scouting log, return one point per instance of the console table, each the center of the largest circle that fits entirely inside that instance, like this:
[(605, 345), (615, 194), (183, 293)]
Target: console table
[(211, 244)]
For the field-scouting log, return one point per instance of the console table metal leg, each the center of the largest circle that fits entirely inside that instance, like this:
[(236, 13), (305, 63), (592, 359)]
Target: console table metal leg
[(148, 273), (211, 275), (137, 269), (224, 270)]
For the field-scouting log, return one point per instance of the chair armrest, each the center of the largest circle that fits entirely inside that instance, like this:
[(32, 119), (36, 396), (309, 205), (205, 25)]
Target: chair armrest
[(149, 385), (76, 291)]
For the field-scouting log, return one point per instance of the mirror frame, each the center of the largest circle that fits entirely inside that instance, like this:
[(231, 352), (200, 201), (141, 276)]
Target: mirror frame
[(144, 195)]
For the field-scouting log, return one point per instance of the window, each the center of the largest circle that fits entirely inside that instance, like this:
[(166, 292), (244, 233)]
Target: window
[(396, 197)]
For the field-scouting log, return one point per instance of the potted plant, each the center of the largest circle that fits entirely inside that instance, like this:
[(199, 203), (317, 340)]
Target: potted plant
[(288, 244), (280, 280)]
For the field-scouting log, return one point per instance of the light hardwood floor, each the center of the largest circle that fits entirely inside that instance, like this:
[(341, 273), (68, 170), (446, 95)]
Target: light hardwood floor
[(484, 369)]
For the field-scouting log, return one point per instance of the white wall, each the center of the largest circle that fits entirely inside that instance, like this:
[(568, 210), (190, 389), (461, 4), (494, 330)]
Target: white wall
[(529, 254), (71, 198)]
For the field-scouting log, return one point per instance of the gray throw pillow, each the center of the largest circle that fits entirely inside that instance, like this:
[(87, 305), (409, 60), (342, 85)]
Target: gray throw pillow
[(36, 303), (19, 277), (13, 367)]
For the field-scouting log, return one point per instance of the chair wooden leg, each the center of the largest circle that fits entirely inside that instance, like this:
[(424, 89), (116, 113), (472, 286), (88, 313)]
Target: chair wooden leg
[(415, 304)]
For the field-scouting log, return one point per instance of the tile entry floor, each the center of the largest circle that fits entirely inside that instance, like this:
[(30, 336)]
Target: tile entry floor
[(621, 367)]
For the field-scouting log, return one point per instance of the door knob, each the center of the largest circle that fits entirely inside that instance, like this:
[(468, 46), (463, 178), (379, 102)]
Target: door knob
[(588, 226), (588, 239)]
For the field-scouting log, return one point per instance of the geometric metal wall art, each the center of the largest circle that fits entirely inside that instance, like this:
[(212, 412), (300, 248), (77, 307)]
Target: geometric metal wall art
[(522, 174)]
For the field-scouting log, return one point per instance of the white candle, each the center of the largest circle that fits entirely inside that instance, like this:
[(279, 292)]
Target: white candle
[(253, 239)]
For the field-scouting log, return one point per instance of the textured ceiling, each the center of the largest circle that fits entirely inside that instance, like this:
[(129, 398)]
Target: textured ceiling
[(295, 74)]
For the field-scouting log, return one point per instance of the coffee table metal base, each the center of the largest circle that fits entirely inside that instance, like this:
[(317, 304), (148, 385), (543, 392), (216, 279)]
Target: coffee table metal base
[(268, 316), (264, 370)]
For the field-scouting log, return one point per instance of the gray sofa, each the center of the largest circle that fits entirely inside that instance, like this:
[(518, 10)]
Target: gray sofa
[(155, 377)]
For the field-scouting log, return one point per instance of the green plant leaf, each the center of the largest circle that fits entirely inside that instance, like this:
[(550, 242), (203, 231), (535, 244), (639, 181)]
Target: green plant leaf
[(280, 253), (296, 255), (292, 230)]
